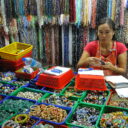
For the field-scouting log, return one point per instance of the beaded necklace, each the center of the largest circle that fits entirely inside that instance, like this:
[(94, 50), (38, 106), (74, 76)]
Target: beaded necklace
[(58, 45), (53, 45), (33, 7), (101, 9), (66, 48), (127, 5), (26, 7), (125, 35), (70, 44), (72, 11), (122, 13), (113, 9), (78, 12), (43, 45), (89, 10), (93, 17), (58, 9), (21, 7), (62, 40), (74, 46), (8, 10), (109, 10), (117, 16)]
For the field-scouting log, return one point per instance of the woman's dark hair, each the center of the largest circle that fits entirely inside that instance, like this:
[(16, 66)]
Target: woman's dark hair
[(108, 21)]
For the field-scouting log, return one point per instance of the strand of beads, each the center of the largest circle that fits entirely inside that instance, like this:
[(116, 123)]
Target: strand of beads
[(30, 95), (13, 106), (118, 101), (117, 119), (59, 100), (7, 89), (48, 112), (96, 97), (85, 116)]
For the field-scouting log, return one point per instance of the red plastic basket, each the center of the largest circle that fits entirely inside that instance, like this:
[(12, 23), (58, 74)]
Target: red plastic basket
[(56, 82), (90, 82), (26, 76), (8, 65)]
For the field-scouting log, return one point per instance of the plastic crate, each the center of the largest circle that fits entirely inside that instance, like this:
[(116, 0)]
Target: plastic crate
[(26, 76), (96, 97), (112, 118), (11, 88), (55, 126), (79, 106), (67, 109), (70, 91), (14, 63), (2, 96), (56, 82), (15, 51), (65, 101), (28, 123), (25, 89), (90, 82), (115, 100), (16, 109), (8, 65)]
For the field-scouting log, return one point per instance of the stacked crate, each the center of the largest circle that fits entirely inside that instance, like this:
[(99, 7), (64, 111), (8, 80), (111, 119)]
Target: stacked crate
[(12, 54)]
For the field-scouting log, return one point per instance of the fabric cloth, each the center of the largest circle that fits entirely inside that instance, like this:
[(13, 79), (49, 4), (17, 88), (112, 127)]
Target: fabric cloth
[(92, 46)]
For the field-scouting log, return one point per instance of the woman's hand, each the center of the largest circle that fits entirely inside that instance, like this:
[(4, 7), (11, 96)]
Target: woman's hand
[(94, 61), (108, 65)]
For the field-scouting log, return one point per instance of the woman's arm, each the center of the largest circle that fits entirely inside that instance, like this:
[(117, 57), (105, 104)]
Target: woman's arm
[(86, 60), (121, 67), (83, 61)]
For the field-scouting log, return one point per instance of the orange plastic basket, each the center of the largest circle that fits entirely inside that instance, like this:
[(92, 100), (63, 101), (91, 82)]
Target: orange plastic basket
[(90, 82), (56, 82), (8, 65), (23, 75)]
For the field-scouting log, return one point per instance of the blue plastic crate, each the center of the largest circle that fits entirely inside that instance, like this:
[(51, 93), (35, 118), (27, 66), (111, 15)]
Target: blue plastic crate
[(68, 110)]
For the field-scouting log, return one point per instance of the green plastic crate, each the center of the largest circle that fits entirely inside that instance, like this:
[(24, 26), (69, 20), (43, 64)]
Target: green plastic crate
[(8, 118), (117, 101), (81, 105), (110, 109), (25, 89), (43, 99), (77, 95), (104, 103)]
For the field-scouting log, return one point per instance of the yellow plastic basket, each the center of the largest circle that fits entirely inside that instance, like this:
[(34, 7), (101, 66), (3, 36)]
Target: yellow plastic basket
[(15, 51)]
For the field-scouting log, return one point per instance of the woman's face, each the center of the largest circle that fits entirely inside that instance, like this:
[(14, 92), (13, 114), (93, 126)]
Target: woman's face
[(105, 33)]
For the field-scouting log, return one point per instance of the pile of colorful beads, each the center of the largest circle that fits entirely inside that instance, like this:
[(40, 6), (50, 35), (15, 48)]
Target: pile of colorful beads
[(7, 89), (70, 91), (117, 119), (30, 95), (7, 76), (13, 106), (118, 101), (59, 100), (20, 121), (86, 116), (96, 97), (20, 83), (48, 112)]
